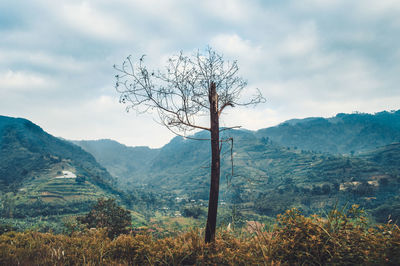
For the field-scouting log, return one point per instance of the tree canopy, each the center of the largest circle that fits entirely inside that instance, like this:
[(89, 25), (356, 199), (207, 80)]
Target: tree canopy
[(107, 214)]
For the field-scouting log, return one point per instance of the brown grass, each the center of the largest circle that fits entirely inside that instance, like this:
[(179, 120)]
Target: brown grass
[(339, 239)]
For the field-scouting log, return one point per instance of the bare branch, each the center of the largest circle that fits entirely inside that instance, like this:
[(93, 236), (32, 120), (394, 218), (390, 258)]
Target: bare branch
[(180, 93), (203, 84)]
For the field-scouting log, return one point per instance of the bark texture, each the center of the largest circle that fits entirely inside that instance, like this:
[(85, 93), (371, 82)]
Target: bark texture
[(215, 165)]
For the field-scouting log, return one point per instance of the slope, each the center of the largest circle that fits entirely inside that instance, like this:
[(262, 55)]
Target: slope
[(268, 178), (343, 134), (122, 162), (43, 175)]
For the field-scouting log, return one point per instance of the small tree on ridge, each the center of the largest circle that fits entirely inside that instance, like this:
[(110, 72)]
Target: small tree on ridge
[(191, 87)]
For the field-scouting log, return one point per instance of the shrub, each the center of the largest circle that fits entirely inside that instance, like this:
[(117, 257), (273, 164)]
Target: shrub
[(325, 189), (107, 214), (343, 237), (193, 211), (4, 228)]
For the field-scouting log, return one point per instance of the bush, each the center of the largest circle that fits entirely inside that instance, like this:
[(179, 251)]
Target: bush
[(325, 189), (342, 238), (387, 212), (107, 214), (4, 228), (364, 189), (193, 211)]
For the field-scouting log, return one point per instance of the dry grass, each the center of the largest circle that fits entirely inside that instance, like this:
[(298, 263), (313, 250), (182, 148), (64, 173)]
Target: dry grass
[(341, 238)]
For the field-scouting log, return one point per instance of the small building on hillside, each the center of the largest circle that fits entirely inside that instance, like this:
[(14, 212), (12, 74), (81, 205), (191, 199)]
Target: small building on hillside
[(66, 174)]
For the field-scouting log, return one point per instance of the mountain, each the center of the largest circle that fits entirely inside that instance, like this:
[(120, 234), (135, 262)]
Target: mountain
[(342, 134), (268, 178), (179, 160), (44, 175), (123, 162)]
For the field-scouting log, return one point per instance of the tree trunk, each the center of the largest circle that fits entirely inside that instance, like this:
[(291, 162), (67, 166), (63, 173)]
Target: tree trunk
[(215, 165)]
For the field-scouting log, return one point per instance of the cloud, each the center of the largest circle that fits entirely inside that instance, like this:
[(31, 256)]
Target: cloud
[(229, 10), (251, 118), (23, 81), (45, 61), (380, 8), (102, 117), (302, 42), (318, 4), (85, 18), (309, 58), (234, 45)]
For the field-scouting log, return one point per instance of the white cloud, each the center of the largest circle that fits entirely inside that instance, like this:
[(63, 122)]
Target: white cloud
[(40, 59), (302, 41), (229, 10), (251, 57), (251, 118), (103, 117), (234, 45), (320, 4), (85, 18), (382, 7), (11, 81)]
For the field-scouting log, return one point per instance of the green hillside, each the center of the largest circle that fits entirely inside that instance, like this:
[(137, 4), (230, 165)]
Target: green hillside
[(41, 175), (124, 163), (269, 178), (344, 133)]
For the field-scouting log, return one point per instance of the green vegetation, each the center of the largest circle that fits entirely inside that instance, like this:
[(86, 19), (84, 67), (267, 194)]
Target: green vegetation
[(44, 179), (343, 134), (107, 214), (117, 158), (26, 151), (269, 178), (168, 195)]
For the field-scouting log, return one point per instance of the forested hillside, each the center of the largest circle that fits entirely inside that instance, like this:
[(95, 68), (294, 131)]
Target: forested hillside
[(269, 178), (125, 163), (344, 133), (42, 175)]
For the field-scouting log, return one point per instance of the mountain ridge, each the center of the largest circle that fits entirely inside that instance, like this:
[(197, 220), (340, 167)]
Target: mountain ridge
[(269, 178), (258, 174), (341, 134)]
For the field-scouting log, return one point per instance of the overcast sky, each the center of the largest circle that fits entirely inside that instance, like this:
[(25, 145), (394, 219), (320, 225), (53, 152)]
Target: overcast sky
[(309, 58)]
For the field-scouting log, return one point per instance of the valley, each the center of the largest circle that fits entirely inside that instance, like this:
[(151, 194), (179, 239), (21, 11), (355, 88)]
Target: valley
[(48, 179), (262, 177)]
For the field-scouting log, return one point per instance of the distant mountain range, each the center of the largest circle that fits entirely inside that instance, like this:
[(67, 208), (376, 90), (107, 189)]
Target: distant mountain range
[(310, 164), (124, 163)]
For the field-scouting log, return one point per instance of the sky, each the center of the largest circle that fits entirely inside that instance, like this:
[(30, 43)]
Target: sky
[(308, 58)]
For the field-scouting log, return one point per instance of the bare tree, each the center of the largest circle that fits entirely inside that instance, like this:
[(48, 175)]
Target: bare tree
[(190, 87)]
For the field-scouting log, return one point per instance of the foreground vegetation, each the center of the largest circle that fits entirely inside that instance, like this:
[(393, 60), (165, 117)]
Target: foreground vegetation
[(342, 237)]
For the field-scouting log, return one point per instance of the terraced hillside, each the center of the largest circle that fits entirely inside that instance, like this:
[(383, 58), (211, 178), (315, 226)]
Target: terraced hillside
[(43, 175), (268, 178)]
